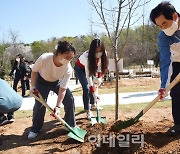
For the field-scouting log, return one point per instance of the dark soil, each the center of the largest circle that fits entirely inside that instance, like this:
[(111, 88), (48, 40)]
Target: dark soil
[(148, 136), (150, 131)]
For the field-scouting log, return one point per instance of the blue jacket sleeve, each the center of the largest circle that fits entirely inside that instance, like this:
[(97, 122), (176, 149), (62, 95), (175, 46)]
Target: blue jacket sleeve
[(164, 50)]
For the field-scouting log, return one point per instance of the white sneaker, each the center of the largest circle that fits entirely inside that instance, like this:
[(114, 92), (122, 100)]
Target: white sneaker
[(32, 135), (89, 114)]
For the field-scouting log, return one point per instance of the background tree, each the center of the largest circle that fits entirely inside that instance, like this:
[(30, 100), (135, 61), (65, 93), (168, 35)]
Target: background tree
[(38, 48)]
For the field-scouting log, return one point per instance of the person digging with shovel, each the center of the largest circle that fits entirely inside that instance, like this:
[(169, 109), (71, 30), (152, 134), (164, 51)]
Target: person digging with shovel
[(167, 18), (52, 72), (92, 63)]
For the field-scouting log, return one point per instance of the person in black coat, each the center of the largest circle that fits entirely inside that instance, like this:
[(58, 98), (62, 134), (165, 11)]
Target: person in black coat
[(20, 69)]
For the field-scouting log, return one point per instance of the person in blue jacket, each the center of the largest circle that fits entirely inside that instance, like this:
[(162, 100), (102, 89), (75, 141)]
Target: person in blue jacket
[(166, 18), (10, 101)]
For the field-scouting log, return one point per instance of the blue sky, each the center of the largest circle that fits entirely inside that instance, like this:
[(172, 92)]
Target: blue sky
[(35, 20)]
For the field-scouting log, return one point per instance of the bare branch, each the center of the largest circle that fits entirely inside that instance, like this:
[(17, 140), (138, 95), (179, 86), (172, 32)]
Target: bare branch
[(127, 30), (101, 15), (118, 19)]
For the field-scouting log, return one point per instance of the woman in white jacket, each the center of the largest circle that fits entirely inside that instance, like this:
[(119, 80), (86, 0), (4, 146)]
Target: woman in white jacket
[(92, 63)]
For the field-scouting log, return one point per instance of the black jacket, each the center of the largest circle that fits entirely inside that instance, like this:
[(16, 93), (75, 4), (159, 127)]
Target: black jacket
[(21, 70)]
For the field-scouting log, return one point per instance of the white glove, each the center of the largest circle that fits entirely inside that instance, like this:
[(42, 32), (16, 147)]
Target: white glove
[(98, 81), (56, 111), (96, 98)]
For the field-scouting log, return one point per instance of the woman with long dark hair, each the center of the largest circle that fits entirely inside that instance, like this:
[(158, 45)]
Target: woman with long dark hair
[(92, 63)]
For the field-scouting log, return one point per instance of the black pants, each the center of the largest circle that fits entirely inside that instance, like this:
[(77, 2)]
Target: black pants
[(27, 84), (8, 114), (175, 94), (39, 110), (16, 80)]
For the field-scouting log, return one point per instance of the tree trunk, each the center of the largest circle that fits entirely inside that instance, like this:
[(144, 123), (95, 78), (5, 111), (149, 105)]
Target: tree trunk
[(117, 85)]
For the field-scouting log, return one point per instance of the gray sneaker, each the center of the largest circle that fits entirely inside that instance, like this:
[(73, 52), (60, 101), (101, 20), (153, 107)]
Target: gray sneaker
[(175, 130), (32, 135)]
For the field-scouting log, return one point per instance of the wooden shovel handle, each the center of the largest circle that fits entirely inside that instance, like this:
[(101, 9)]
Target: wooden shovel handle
[(171, 85), (42, 101)]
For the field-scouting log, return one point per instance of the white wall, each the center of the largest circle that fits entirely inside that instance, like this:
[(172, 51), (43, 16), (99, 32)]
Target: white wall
[(111, 66)]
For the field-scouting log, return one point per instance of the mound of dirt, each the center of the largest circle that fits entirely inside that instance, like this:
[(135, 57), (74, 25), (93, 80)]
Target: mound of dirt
[(149, 135)]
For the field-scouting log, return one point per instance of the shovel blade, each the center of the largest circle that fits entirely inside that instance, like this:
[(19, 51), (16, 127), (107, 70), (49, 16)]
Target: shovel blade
[(124, 124), (77, 134), (95, 120), (72, 135), (98, 119), (128, 123)]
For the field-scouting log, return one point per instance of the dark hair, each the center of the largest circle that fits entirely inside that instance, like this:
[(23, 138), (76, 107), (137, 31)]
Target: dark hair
[(20, 57), (64, 47), (92, 57), (164, 8)]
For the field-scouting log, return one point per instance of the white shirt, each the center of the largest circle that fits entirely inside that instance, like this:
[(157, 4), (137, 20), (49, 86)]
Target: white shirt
[(175, 52), (84, 61), (50, 72)]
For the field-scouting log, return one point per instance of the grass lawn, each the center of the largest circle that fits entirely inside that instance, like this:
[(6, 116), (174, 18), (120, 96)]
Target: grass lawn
[(126, 108), (134, 85), (126, 85)]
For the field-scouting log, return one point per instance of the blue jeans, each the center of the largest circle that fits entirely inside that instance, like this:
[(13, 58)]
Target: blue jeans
[(39, 110), (10, 101), (87, 95)]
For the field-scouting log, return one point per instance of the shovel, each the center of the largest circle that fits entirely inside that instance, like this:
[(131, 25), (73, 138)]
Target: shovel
[(75, 133), (135, 120), (98, 119)]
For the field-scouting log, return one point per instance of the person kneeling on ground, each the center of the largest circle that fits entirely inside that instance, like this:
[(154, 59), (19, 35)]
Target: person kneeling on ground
[(10, 101)]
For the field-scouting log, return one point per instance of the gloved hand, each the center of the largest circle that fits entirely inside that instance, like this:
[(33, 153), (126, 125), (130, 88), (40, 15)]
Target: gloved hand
[(34, 90), (96, 98), (162, 93), (98, 81), (56, 111)]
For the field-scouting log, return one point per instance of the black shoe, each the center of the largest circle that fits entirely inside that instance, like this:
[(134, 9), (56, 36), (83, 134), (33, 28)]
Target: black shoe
[(3, 120), (175, 130), (10, 118)]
